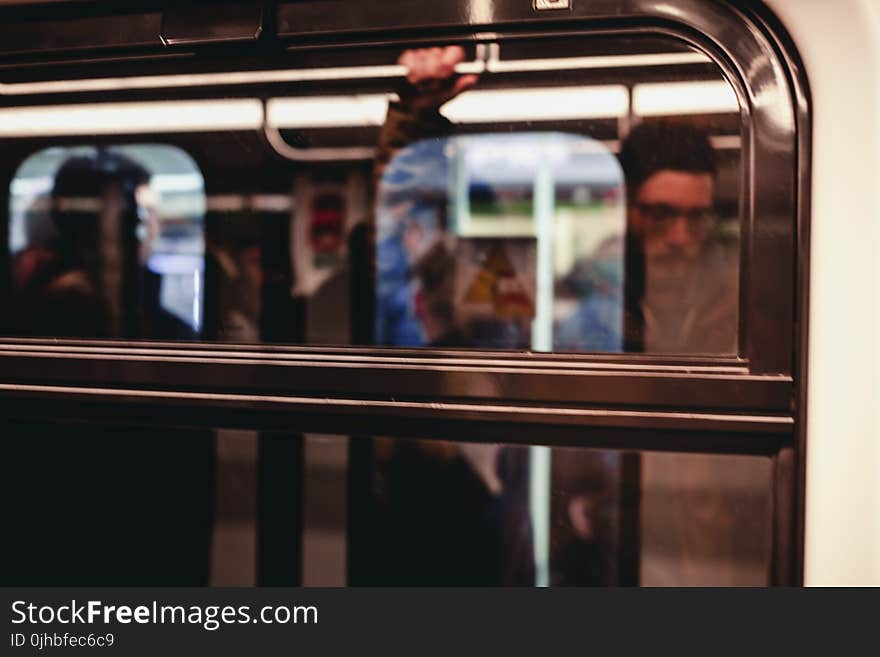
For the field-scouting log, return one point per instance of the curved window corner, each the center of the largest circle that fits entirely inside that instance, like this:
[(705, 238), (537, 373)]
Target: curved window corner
[(107, 242)]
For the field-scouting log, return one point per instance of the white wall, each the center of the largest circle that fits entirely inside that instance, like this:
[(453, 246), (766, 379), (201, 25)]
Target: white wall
[(840, 44)]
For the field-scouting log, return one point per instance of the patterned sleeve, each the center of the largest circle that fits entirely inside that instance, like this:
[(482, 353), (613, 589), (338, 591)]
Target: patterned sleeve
[(404, 126)]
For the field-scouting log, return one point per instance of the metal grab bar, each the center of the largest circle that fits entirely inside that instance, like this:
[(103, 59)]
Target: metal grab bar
[(330, 154), (488, 60), (484, 53)]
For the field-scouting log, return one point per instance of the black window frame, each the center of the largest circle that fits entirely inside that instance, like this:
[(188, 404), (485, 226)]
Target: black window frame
[(752, 403)]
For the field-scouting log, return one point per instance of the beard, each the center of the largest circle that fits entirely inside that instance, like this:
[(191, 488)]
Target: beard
[(670, 268)]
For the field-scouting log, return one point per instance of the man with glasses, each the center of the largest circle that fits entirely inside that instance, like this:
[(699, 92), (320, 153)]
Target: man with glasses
[(681, 284)]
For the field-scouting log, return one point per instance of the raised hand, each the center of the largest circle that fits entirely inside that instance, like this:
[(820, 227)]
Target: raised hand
[(431, 77)]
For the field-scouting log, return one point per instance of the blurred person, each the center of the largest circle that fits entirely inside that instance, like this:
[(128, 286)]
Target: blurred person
[(681, 296), (411, 124), (431, 81), (679, 283), (445, 513), (586, 510), (233, 279), (39, 233), (107, 504), (452, 513), (434, 301), (94, 281), (596, 283)]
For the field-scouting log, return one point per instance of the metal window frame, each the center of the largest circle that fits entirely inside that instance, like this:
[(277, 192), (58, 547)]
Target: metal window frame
[(753, 403), (755, 392)]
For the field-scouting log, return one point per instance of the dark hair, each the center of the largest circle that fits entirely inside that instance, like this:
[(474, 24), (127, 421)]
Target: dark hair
[(655, 146), (436, 271), (88, 176)]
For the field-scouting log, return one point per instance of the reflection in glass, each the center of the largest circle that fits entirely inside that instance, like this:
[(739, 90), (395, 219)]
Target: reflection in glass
[(548, 241), (451, 513), (106, 504), (108, 242), (559, 201), (392, 511), (505, 226), (682, 268), (498, 241)]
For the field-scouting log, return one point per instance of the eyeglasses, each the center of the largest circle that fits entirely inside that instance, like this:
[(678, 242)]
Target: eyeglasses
[(663, 214)]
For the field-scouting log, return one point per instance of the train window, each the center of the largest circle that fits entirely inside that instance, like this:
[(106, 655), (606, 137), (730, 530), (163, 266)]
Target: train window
[(526, 272), (499, 514), (377, 511), (459, 267), (589, 208), (520, 241), (108, 242)]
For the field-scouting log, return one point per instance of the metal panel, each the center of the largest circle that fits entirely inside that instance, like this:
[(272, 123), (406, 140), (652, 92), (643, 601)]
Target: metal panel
[(314, 17), (527, 424), (226, 22), (382, 378), (42, 36)]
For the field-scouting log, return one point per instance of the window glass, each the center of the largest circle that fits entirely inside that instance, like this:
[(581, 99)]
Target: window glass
[(121, 505), (479, 243), (108, 242), (447, 513), (570, 195), (534, 241)]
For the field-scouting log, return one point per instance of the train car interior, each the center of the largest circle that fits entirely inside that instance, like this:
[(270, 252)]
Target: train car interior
[(467, 293)]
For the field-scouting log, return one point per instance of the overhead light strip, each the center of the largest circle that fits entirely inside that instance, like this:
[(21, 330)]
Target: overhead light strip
[(121, 118), (671, 98), (365, 110), (328, 111), (542, 104), (538, 104)]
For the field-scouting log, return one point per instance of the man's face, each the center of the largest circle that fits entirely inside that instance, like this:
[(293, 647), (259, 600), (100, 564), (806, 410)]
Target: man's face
[(148, 212), (672, 214)]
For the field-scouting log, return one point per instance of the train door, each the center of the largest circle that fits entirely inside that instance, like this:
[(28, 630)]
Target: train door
[(484, 305)]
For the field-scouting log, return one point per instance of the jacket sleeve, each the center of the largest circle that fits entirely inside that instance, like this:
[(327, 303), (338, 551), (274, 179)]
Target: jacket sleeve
[(404, 126)]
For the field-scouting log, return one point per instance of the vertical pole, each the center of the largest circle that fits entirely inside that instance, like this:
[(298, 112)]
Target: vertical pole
[(544, 211), (542, 340), (197, 301), (460, 216)]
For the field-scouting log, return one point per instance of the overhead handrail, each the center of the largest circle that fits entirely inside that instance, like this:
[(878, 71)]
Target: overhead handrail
[(327, 154), (355, 153), (487, 60)]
